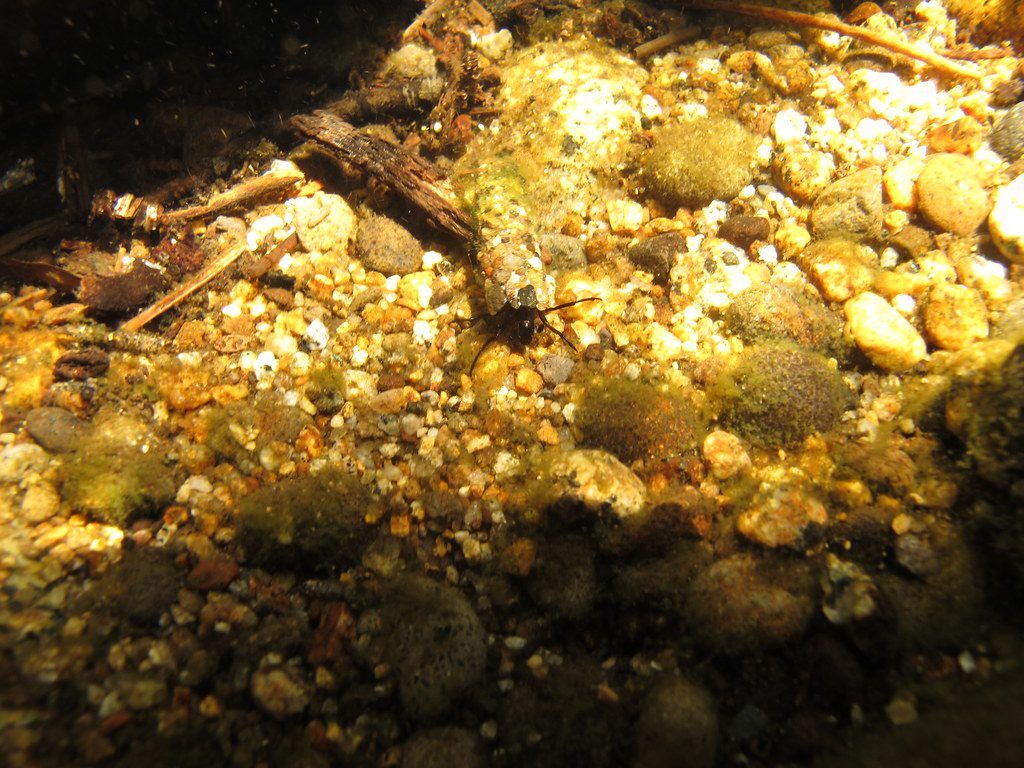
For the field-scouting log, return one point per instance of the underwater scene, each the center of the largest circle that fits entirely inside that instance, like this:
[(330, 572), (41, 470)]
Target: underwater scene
[(547, 383)]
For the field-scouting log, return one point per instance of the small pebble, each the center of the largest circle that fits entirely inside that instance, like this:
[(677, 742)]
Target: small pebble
[(55, 429), (883, 334), (839, 268), (741, 231), (900, 183), (725, 454), (1008, 134), (954, 316), (279, 691), (528, 381), (850, 207), (555, 369), (19, 461), (625, 216), (385, 246), (803, 174), (566, 252), (951, 195), (324, 223), (1006, 221), (781, 518), (40, 503), (963, 136), (657, 254)]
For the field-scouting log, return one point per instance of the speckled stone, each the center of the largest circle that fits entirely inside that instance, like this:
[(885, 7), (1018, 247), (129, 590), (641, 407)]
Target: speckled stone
[(384, 245), (781, 517), (954, 316), (850, 207), (1008, 134), (596, 480), (279, 691), (803, 174), (555, 369), (657, 254), (566, 252), (838, 267), (951, 195)]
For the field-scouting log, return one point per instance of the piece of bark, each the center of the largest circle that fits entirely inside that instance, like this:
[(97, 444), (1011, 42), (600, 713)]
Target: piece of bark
[(413, 178), (39, 272), (260, 189), (15, 239), (122, 292), (182, 292)]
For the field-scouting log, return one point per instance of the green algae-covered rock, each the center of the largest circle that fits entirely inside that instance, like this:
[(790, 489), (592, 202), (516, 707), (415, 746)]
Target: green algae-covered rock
[(306, 524), (778, 393), (117, 473), (635, 420), (705, 159), (781, 312)]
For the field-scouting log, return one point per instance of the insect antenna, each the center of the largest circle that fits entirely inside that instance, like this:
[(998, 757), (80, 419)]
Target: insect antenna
[(567, 304), (554, 330)]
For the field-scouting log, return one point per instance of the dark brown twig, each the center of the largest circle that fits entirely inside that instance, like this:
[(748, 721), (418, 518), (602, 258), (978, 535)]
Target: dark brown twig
[(413, 178)]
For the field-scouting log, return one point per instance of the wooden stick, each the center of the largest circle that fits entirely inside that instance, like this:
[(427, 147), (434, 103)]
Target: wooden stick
[(242, 195), (834, 25), (413, 178), (182, 292), (13, 240), (673, 37)]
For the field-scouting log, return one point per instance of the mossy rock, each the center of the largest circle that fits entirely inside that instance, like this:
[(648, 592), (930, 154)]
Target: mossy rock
[(306, 524), (778, 394), (139, 588), (435, 644), (117, 473), (992, 423), (780, 312), (563, 580), (236, 433), (705, 159), (636, 420), (743, 603)]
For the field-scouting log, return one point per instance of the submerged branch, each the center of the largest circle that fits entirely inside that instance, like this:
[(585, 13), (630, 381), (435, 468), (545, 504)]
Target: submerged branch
[(798, 19)]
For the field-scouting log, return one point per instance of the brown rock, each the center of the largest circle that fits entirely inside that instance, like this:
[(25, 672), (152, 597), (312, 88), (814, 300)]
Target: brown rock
[(214, 572)]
